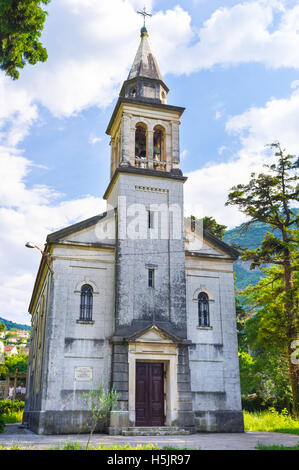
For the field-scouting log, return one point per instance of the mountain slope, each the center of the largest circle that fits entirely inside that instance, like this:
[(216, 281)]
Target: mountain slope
[(250, 238), (10, 325)]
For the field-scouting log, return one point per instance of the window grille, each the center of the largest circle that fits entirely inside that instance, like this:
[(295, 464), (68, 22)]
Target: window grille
[(86, 303), (203, 310)]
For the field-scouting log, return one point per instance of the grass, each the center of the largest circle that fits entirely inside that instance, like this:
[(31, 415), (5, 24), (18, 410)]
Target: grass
[(276, 447), (78, 446), (270, 421), (14, 417)]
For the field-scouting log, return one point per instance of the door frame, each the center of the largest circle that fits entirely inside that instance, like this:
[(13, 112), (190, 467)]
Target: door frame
[(149, 394), (168, 355)]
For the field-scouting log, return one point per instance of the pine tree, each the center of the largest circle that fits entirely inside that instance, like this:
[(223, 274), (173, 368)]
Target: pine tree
[(268, 198)]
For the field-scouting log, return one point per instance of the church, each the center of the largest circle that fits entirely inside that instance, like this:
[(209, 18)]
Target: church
[(139, 296)]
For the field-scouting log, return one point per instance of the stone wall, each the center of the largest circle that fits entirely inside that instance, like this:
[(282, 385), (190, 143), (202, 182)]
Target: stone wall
[(214, 364)]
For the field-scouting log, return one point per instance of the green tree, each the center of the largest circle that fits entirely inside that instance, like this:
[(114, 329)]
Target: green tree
[(17, 361), (21, 26), (241, 315), (100, 402), (264, 368), (268, 198), (210, 224)]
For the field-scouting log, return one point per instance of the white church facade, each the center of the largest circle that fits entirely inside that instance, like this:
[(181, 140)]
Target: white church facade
[(138, 296)]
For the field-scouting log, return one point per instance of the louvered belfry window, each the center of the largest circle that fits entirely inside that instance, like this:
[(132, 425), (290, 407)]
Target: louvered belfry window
[(86, 303), (203, 310)]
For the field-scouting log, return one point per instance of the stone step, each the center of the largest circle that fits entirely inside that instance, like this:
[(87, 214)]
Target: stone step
[(155, 431)]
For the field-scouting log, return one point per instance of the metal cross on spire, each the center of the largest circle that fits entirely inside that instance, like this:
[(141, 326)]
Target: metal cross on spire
[(144, 14)]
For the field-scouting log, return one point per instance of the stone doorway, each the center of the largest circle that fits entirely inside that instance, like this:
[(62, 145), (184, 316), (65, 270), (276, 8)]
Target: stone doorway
[(149, 394)]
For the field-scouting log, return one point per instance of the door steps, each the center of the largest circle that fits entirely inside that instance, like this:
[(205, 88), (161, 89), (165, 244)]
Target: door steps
[(156, 431)]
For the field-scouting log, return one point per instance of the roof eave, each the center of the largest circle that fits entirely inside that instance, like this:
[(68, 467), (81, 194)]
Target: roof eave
[(121, 100)]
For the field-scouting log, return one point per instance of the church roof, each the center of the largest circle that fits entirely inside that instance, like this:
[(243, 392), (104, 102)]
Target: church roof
[(145, 64), (216, 242), (56, 236)]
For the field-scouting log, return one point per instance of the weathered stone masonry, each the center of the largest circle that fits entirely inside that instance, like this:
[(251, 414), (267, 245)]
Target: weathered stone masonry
[(159, 295)]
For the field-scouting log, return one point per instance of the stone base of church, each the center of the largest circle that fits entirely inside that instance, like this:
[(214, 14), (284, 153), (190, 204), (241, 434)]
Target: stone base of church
[(219, 421), (75, 422), (118, 421), (59, 422), (121, 424)]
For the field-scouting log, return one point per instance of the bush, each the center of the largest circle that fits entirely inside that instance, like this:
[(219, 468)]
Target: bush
[(15, 417), (9, 407), (253, 403), (2, 424), (271, 421)]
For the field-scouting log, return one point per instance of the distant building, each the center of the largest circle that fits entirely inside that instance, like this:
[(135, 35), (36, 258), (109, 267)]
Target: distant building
[(10, 350), (22, 334), (13, 339)]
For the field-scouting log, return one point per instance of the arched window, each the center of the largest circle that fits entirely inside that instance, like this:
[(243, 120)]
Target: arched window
[(159, 148), (140, 146), (86, 303), (203, 310)]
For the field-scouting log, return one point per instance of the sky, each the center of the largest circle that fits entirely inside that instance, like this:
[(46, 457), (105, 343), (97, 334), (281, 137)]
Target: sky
[(232, 64)]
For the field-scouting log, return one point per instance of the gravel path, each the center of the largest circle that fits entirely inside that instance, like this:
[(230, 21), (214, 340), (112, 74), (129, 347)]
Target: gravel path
[(14, 435)]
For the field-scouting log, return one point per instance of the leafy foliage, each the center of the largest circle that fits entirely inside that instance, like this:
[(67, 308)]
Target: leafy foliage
[(16, 361), (210, 224), (268, 198), (100, 402), (9, 406), (21, 25)]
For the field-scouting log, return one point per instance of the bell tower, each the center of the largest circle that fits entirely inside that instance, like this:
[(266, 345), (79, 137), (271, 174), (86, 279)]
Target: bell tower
[(144, 129), (146, 193)]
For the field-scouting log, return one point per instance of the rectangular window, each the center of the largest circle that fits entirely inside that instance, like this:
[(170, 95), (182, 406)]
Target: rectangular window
[(150, 219), (151, 278)]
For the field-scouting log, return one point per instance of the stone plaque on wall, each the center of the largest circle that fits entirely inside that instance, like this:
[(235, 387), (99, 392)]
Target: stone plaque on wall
[(83, 374)]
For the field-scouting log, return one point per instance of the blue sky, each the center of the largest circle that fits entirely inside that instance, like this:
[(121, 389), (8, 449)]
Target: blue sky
[(232, 64)]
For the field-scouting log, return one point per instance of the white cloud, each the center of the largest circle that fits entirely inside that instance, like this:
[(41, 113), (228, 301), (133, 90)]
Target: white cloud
[(184, 154), (94, 140), (278, 120), (222, 149), (91, 48), (208, 187), (240, 34), (17, 112), (29, 213), (91, 45)]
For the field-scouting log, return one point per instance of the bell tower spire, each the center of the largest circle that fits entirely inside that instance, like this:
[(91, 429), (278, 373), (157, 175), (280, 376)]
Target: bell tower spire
[(145, 81), (144, 129)]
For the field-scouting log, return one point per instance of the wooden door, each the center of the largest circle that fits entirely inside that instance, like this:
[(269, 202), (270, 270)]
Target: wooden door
[(149, 394)]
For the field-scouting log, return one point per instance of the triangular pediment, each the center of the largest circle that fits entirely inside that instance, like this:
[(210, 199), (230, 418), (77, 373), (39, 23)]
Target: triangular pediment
[(153, 334), (204, 243), (98, 229)]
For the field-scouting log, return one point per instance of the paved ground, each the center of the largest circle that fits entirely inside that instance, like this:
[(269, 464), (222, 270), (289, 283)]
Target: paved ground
[(14, 435)]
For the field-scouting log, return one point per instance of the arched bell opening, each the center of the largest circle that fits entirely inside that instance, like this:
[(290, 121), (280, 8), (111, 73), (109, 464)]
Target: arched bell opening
[(159, 148), (141, 160)]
